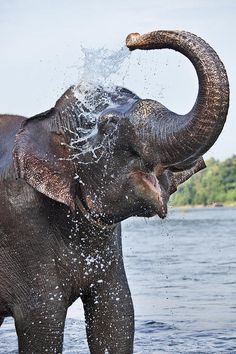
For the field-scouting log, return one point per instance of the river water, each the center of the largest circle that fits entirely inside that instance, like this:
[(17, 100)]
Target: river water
[(182, 275)]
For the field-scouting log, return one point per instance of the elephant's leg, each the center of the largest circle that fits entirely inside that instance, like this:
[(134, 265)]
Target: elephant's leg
[(40, 330), (109, 319)]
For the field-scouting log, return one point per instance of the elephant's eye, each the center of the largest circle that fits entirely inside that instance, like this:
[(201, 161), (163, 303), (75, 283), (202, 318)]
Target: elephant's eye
[(134, 153), (143, 165)]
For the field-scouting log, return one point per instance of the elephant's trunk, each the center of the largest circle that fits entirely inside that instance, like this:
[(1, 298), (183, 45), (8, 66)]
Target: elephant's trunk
[(181, 139)]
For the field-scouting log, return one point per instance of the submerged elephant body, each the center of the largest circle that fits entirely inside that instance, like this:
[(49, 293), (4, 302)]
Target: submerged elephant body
[(64, 192)]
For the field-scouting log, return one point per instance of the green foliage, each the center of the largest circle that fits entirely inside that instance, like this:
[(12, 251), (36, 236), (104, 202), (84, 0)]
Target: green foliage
[(215, 184)]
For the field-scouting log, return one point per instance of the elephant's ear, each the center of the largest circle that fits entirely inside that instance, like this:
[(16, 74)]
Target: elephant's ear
[(42, 157)]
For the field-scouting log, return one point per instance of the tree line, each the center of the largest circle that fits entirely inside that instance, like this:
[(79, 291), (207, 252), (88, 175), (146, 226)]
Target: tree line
[(215, 184)]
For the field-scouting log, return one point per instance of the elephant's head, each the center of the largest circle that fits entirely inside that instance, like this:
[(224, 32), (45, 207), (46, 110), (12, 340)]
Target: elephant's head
[(140, 152)]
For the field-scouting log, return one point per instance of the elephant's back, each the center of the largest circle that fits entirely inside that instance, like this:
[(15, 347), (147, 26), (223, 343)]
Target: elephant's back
[(9, 126)]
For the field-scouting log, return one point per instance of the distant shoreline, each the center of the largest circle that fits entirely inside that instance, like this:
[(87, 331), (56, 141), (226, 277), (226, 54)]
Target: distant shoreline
[(213, 186), (198, 206)]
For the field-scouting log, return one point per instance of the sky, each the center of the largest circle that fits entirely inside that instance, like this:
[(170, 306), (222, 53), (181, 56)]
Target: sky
[(40, 43)]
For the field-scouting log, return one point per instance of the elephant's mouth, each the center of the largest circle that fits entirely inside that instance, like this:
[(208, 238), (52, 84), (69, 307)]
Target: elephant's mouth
[(151, 189)]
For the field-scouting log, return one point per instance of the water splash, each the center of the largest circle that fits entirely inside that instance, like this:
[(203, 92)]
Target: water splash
[(94, 94), (100, 64)]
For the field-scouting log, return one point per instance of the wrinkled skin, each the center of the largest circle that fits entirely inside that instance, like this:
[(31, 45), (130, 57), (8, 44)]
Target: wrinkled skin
[(60, 236)]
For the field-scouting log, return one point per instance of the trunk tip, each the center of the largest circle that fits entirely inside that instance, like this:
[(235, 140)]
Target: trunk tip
[(132, 39)]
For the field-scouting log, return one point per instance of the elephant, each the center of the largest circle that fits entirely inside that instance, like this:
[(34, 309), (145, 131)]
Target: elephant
[(70, 175)]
